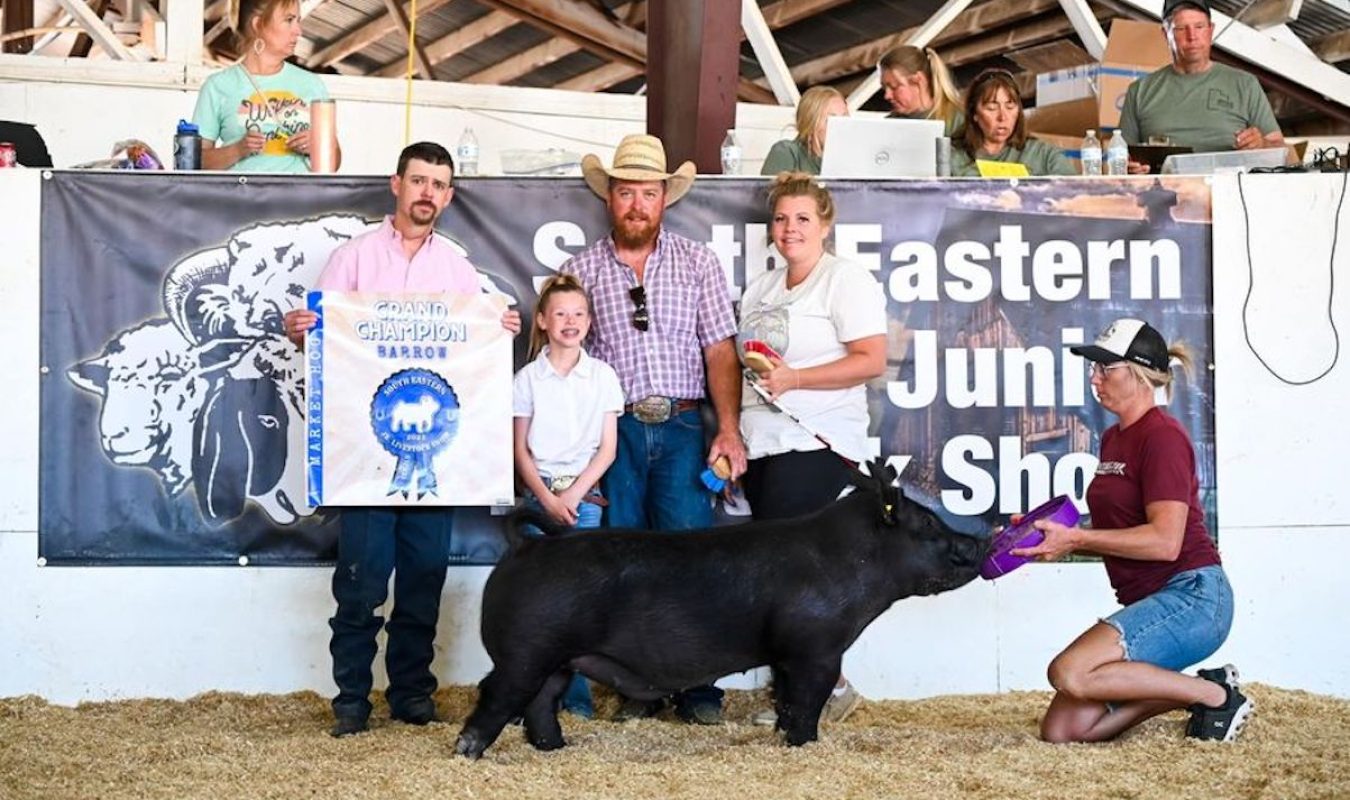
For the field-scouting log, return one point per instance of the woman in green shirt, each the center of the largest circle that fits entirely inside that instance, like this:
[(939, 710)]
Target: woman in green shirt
[(918, 86), (803, 153), (997, 131), (254, 116)]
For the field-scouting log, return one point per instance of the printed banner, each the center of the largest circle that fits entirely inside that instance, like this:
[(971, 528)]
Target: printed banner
[(173, 408), (409, 401)]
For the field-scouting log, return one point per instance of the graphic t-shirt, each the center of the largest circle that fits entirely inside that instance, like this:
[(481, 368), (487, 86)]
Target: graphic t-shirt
[(808, 325), (229, 106), (1202, 111), (1149, 461)]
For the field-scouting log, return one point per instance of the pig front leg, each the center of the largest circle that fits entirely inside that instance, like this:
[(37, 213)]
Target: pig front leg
[(541, 716), (502, 696), (804, 688)]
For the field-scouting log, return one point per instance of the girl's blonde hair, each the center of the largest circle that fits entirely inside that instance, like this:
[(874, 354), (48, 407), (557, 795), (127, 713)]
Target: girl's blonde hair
[(800, 184), (1178, 352), (810, 113), (556, 284), (910, 60)]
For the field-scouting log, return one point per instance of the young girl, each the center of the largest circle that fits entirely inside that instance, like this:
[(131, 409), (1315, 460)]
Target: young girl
[(566, 407)]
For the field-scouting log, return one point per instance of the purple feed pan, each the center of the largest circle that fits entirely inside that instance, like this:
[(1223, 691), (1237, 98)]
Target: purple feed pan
[(1001, 561)]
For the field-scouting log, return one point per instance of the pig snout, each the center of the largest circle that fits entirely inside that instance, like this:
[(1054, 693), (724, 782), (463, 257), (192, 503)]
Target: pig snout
[(967, 552)]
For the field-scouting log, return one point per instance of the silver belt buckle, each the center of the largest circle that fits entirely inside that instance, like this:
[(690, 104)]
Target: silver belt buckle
[(653, 410), (561, 483)]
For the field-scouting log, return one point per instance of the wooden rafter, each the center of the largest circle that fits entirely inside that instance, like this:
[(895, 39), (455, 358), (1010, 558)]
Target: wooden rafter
[(370, 33), (83, 43), (419, 54), (96, 29), (777, 15), (1269, 13), (971, 22), (513, 67), (583, 24), (1333, 47), (481, 29)]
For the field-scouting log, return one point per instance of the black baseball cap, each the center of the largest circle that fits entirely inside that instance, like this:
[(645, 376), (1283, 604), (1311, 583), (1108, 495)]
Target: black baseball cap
[(1127, 340), (1172, 5)]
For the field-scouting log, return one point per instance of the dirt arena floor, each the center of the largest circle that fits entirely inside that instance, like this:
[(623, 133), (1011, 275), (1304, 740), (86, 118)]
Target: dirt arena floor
[(229, 746)]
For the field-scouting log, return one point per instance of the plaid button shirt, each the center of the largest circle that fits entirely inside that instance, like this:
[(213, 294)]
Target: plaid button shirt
[(689, 306)]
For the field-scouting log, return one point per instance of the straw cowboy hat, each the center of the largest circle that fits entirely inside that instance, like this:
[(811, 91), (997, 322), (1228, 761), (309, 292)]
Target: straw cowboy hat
[(640, 157)]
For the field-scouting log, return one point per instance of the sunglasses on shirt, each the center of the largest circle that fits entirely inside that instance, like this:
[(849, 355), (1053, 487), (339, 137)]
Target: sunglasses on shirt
[(641, 319)]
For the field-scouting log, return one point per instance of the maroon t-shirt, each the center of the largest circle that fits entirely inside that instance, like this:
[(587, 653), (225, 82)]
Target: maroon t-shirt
[(1149, 461)]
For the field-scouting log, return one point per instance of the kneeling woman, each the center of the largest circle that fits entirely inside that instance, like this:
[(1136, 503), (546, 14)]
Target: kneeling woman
[(1150, 531), (996, 130)]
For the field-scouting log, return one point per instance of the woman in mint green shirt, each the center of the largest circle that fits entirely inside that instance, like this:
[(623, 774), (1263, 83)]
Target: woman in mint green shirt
[(254, 116), (996, 131), (803, 153)]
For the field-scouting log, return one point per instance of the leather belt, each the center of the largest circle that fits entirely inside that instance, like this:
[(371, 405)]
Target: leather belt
[(656, 409)]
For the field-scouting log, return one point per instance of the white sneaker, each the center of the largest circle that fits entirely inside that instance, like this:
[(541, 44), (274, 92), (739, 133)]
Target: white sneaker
[(844, 700)]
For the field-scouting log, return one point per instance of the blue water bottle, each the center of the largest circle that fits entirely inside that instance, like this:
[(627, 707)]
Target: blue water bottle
[(187, 147)]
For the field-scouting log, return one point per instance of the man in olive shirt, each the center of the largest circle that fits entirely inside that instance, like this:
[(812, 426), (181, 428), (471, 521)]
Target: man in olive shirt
[(1194, 101)]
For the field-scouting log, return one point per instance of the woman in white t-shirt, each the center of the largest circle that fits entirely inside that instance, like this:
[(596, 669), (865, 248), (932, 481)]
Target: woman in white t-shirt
[(826, 318)]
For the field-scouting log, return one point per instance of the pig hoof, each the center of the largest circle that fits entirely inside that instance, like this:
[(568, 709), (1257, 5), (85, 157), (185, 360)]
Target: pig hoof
[(548, 743), (470, 745)]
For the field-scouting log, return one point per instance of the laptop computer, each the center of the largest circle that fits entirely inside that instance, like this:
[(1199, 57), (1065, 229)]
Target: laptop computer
[(878, 147)]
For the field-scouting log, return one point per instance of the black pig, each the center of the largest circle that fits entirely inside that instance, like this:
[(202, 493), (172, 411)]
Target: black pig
[(652, 613)]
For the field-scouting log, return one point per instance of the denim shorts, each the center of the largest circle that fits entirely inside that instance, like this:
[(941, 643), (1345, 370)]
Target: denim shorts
[(1181, 624)]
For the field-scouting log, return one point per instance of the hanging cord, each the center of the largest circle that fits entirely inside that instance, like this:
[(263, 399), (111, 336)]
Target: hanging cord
[(407, 98), (1331, 291)]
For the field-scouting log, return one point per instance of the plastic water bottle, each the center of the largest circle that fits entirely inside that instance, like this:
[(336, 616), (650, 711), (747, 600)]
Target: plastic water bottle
[(1117, 155), (466, 153), (731, 155), (1092, 154)]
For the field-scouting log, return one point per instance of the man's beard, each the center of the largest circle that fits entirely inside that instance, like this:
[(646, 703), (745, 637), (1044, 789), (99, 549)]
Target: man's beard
[(636, 232), (422, 213)]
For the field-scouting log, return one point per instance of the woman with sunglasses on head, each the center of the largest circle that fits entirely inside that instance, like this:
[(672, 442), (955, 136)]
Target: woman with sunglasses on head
[(918, 86), (995, 130), (803, 153), (1149, 529), (825, 320), (254, 116)]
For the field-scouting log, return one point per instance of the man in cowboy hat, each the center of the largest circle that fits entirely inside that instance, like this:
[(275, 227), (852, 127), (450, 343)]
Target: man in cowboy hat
[(662, 311)]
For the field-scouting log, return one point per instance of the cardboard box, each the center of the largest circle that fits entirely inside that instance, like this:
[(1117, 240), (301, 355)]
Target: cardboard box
[(1063, 85), (1091, 97)]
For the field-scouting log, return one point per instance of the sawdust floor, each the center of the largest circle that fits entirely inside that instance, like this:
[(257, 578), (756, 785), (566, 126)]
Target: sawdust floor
[(227, 746)]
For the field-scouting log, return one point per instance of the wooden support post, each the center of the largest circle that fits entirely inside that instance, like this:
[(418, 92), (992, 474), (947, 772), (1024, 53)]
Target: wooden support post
[(692, 77)]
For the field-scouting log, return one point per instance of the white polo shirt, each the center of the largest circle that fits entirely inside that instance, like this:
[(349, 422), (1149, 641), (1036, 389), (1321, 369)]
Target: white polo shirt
[(566, 412)]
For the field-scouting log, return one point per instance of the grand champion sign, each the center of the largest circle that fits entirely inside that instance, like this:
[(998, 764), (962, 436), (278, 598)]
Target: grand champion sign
[(409, 401)]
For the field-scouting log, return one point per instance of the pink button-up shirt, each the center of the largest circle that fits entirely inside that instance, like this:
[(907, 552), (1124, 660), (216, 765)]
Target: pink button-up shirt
[(374, 262)]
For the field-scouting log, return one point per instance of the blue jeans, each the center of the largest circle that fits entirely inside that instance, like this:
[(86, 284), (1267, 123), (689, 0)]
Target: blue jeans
[(653, 484), (414, 545), (1181, 624)]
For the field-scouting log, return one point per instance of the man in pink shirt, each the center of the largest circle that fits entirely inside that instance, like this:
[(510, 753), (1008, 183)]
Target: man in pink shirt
[(402, 255)]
